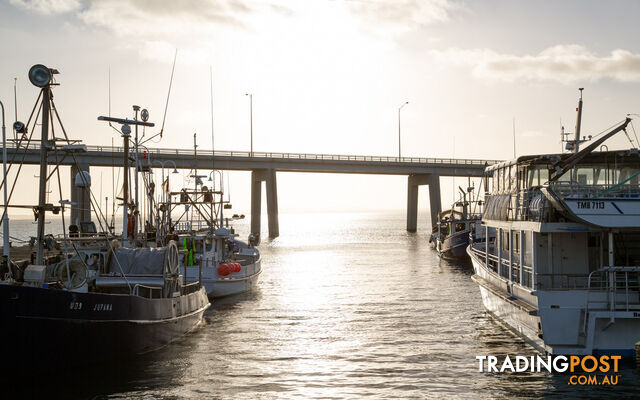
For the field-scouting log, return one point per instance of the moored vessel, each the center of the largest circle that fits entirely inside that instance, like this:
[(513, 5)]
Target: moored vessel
[(561, 263), (456, 227), (87, 295), (210, 251)]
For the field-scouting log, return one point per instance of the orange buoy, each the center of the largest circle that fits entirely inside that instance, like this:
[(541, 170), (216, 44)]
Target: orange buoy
[(237, 268), (224, 269)]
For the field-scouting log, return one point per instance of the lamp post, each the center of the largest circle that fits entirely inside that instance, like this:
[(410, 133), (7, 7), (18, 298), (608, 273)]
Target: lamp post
[(250, 120), (175, 171), (399, 145), (213, 180)]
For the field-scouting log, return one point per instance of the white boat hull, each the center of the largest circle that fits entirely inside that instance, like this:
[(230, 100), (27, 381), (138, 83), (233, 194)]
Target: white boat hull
[(221, 286), (607, 212), (516, 318), (557, 325)]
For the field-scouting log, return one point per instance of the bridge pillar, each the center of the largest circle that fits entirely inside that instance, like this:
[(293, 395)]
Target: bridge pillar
[(269, 177), (80, 195), (435, 206)]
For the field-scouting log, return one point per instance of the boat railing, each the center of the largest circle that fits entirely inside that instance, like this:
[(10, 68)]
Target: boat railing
[(190, 288), (194, 225), (575, 189), (620, 283), (501, 267), (183, 227), (562, 281), (148, 292)]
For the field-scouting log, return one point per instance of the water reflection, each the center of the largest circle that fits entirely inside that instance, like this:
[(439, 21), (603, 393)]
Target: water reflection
[(349, 305)]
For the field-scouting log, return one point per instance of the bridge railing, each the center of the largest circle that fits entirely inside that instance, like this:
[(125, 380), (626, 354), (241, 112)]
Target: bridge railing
[(296, 156)]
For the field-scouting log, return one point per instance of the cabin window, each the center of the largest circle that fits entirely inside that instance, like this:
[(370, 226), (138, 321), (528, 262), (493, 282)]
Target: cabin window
[(522, 178), (516, 242), (460, 227), (505, 240), (537, 175), (507, 186), (532, 177), (543, 173), (626, 173), (513, 179), (494, 181), (584, 175)]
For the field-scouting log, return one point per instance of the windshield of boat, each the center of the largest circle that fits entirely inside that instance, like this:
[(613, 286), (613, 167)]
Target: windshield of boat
[(600, 171)]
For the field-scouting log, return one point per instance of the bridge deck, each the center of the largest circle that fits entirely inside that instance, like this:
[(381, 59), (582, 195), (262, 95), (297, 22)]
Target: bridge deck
[(107, 156)]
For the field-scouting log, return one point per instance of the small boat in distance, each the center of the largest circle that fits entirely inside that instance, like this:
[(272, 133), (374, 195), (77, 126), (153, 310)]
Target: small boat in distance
[(457, 226)]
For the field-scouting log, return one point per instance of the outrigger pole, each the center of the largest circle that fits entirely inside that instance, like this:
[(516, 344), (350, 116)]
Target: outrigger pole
[(562, 166)]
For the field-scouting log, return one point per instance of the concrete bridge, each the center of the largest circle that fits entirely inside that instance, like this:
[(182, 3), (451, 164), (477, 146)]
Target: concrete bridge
[(263, 167)]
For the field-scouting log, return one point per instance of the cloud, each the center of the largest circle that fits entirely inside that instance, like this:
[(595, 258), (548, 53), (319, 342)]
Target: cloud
[(401, 14), (153, 28), (560, 63), (163, 17), (48, 7)]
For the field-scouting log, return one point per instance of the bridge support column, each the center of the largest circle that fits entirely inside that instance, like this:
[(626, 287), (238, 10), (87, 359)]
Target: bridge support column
[(269, 177), (435, 205), (80, 195)]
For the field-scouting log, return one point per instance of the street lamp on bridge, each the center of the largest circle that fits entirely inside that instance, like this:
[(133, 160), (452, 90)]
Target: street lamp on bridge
[(399, 145), (250, 120)]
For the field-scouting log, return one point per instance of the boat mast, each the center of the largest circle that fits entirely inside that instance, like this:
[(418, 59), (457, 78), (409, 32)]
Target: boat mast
[(126, 134), (42, 186), (135, 118), (195, 172), (126, 130), (576, 143)]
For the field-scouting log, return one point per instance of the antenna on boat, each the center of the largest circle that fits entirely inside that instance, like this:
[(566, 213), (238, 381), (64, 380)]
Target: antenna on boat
[(561, 136), (514, 137), (213, 148), (166, 106), (15, 104), (576, 145), (109, 95)]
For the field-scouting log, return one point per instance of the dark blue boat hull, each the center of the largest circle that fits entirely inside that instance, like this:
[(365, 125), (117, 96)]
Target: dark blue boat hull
[(454, 246), (46, 326)]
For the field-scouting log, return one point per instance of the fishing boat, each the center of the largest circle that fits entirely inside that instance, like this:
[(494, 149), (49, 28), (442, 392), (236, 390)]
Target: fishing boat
[(210, 249), (561, 263), (457, 226), (87, 295)]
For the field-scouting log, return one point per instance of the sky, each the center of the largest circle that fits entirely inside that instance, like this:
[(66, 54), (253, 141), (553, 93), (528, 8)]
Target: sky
[(328, 76)]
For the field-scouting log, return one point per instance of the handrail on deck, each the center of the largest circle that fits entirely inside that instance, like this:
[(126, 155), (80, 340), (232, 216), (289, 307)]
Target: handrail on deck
[(612, 285), (136, 290)]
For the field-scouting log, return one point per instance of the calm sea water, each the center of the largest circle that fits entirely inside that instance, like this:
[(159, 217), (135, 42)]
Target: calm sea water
[(348, 306)]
